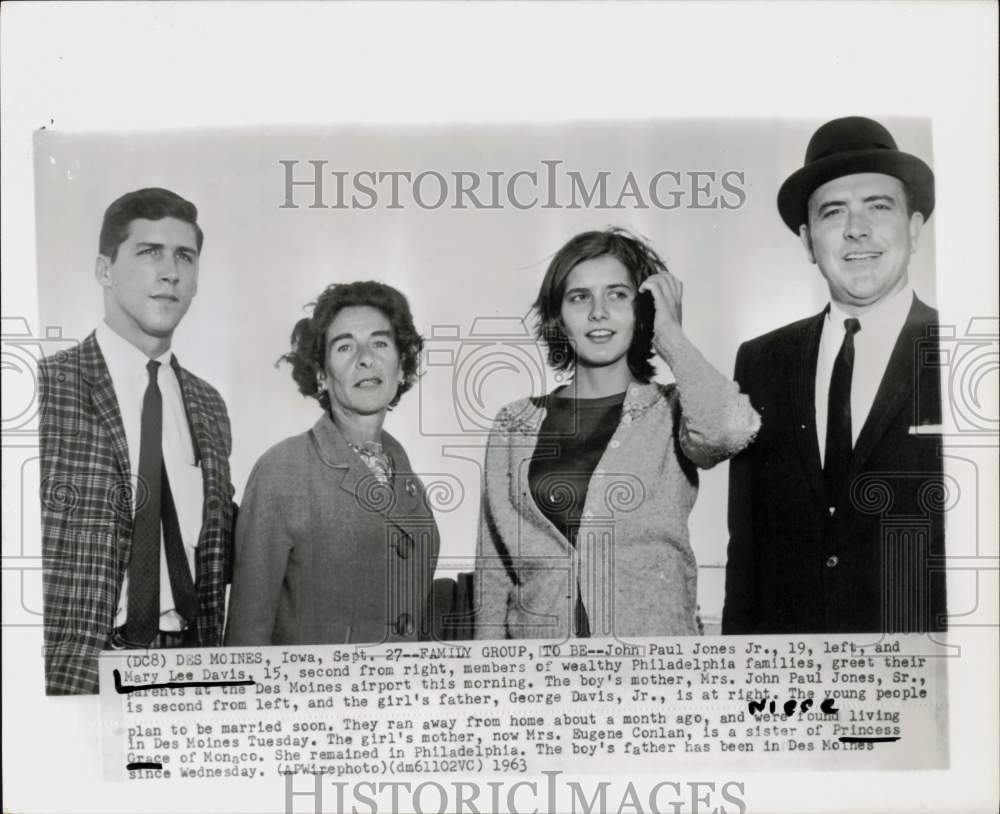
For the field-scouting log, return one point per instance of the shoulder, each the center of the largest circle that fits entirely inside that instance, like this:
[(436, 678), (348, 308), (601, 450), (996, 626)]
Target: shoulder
[(519, 417), (922, 313), (779, 338), (281, 461), (67, 362), (205, 392)]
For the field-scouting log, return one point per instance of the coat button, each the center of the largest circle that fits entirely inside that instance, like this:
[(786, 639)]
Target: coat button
[(404, 625), (615, 444), (832, 561), (403, 545), (411, 488)]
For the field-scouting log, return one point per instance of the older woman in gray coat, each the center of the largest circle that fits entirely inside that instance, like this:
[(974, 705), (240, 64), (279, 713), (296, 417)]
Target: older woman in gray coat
[(335, 542)]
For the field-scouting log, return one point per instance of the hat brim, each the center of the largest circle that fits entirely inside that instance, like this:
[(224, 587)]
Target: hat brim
[(793, 197)]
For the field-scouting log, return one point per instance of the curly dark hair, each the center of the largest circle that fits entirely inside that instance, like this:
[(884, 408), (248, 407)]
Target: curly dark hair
[(308, 353), (641, 261)]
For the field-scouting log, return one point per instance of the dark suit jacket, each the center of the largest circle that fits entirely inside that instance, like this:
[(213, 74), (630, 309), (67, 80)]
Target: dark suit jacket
[(327, 555), (872, 562), (87, 511)]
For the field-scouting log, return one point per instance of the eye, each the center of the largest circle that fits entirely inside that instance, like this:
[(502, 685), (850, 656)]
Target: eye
[(380, 344), (187, 258), (342, 347), (578, 296), (830, 213), (150, 250), (882, 205), (619, 294)]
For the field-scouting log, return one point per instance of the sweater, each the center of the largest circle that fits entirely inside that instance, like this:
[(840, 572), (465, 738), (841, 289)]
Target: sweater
[(633, 560)]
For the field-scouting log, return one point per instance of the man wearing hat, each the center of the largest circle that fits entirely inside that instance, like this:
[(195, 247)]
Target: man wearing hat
[(835, 512)]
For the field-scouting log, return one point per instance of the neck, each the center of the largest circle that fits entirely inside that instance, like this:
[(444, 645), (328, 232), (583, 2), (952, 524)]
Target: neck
[(598, 382), (152, 346), (358, 428), (860, 309)]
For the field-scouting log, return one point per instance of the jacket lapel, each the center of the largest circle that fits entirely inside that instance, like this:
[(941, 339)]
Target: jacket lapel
[(894, 391), (802, 382), (395, 504), (94, 371)]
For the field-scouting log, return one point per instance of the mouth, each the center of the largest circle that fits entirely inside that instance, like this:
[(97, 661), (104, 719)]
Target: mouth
[(164, 298), (861, 257), (369, 383), (600, 334)]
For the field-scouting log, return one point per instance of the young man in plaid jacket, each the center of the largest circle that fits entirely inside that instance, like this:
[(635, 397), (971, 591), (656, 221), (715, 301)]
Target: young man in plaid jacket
[(137, 510)]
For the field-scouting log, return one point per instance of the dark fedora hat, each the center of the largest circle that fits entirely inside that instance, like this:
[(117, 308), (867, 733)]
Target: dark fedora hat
[(846, 147)]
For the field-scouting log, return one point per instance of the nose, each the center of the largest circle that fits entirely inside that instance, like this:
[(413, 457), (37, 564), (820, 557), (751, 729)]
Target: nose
[(858, 226), (168, 270), (365, 357), (598, 309)]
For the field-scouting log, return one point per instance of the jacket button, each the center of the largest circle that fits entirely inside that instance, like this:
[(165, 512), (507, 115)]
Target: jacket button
[(832, 561), (404, 625), (615, 444), (411, 488)]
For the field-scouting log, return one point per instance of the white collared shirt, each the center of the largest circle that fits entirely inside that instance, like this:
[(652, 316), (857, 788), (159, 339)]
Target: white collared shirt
[(873, 344), (129, 377)]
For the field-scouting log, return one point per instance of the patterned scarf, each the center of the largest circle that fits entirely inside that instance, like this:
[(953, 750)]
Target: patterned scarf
[(375, 459)]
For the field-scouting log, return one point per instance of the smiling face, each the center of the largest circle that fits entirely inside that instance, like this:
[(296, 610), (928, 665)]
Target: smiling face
[(362, 369), (149, 285), (861, 237), (598, 313)]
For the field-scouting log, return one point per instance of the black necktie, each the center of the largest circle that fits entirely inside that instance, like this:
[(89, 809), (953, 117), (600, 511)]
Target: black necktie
[(156, 505), (839, 438), (143, 621)]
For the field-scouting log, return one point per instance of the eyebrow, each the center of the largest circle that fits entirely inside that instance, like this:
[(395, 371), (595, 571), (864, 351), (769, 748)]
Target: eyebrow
[(349, 335), (149, 245), (627, 286), (867, 199)]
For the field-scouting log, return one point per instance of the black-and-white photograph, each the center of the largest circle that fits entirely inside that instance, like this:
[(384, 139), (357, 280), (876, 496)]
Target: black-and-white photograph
[(508, 350), (353, 454)]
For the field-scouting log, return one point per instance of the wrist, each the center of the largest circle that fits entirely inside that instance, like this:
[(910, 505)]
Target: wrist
[(668, 339)]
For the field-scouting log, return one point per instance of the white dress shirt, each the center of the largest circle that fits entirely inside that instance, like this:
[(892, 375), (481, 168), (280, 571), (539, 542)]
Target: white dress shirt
[(129, 377), (873, 346)]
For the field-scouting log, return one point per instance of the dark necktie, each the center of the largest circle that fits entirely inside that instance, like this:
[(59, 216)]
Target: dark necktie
[(839, 438), (156, 505), (143, 621)]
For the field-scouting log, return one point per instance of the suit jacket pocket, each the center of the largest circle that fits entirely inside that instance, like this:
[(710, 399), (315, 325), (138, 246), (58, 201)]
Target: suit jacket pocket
[(94, 581)]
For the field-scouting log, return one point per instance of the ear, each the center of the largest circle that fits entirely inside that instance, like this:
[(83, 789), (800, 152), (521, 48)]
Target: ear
[(807, 242), (102, 271), (916, 224)]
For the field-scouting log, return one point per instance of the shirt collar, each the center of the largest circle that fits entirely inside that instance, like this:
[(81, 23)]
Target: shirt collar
[(888, 315), (122, 357)]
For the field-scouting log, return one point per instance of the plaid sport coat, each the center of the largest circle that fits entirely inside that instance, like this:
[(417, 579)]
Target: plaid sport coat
[(88, 510)]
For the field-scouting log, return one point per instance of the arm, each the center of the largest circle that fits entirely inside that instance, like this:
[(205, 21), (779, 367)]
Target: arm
[(493, 580), (264, 541), (739, 612), (717, 421)]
